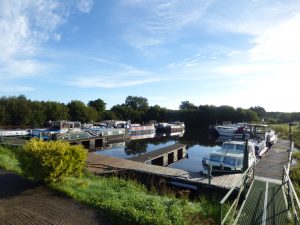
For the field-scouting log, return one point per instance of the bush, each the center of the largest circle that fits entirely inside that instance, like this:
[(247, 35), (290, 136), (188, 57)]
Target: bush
[(50, 161)]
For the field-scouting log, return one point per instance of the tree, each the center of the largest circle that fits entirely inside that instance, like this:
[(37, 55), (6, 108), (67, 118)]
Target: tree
[(124, 112), (99, 105), (261, 112), (156, 113), (56, 111), (186, 105), (80, 112), (18, 111), (38, 116), (137, 103)]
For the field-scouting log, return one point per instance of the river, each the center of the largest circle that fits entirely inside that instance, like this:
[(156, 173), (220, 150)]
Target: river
[(199, 145)]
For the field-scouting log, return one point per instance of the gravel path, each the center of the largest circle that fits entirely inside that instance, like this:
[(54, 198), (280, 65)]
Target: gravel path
[(26, 202)]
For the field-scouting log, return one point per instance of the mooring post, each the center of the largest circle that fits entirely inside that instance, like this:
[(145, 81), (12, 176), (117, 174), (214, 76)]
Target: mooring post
[(246, 157), (209, 174)]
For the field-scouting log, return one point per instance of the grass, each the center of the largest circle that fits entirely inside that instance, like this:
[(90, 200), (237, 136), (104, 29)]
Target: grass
[(9, 159), (283, 131), (126, 202), (131, 203)]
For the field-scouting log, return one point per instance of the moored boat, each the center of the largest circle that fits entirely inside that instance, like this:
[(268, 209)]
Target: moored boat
[(170, 127), (230, 129), (231, 156), (137, 128)]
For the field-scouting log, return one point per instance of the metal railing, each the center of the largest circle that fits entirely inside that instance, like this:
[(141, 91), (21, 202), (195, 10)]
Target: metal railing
[(242, 184), (293, 200)]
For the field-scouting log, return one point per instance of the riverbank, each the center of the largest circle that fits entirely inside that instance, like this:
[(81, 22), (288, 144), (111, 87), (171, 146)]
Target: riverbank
[(126, 202)]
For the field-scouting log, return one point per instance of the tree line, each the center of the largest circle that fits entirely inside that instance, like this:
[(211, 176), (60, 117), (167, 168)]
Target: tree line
[(20, 111)]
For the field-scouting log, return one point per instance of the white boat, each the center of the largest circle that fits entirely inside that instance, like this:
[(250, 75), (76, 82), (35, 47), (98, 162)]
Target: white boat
[(137, 128), (262, 134), (17, 132), (230, 157), (230, 129), (170, 127)]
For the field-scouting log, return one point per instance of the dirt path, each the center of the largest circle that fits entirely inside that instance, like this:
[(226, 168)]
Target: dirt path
[(26, 202)]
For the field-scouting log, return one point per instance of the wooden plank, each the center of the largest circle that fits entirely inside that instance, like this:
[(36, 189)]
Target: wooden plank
[(160, 152)]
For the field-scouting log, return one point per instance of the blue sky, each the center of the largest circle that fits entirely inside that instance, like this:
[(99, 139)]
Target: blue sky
[(241, 53)]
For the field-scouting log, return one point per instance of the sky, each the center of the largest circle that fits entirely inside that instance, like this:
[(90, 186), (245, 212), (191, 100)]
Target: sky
[(240, 53)]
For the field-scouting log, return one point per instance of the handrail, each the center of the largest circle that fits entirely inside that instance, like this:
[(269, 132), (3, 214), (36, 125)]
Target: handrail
[(291, 194), (241, 183)]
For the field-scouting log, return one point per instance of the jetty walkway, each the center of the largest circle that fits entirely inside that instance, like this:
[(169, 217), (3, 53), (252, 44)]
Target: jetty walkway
[(269, 195)]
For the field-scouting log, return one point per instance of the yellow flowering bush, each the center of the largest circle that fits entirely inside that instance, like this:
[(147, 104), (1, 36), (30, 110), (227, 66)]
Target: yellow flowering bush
[(50, 161)]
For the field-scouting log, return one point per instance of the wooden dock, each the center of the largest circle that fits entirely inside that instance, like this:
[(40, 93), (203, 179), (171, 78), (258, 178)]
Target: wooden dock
[(163, 156), (266, 202), (271, 165), (100, 164)]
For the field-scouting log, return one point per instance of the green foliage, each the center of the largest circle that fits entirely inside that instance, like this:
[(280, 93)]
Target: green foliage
[(283, 131), (56, 111), (130, 203), (80, 112), (186, 105), (137, 103), (50, 161), (9, 159), (99, 105)]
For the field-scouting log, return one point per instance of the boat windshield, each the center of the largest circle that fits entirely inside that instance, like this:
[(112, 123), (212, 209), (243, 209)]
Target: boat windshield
[(229, 161), (240, 147), (228, 146), (215, 158)]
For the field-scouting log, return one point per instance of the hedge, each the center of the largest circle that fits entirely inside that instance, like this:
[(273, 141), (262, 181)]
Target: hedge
[(50, 161)]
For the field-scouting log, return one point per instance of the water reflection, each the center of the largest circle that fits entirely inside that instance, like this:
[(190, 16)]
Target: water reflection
[(198, 144)]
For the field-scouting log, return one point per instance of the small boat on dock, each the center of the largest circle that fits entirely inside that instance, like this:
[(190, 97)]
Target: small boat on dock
[(230, 157)]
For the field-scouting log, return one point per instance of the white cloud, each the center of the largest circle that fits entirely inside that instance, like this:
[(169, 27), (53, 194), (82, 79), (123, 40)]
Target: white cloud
[(25, 26), (151, 23), (84, 5), (15, 89), (113, 74), (280, 43), (109, 81)]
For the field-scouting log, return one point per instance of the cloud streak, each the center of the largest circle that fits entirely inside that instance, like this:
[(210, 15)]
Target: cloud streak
[(152, 23), (25, 26)]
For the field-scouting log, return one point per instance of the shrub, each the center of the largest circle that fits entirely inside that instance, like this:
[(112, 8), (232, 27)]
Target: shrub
[(50, 161)]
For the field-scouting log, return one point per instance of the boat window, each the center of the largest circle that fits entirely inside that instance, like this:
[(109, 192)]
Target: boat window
[(228, 146), (240, 147), (229, 161), (215, 158), (239, 162)]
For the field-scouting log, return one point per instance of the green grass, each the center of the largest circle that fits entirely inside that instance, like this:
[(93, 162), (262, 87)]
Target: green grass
[(126, 202), (130, 203), (9, 159), (283, 132)]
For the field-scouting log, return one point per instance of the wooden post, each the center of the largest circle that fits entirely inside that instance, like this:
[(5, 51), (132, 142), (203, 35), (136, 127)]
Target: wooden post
[(209, 174), (246, 157)]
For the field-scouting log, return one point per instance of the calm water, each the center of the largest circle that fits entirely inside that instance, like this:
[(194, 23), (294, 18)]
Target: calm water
[(198, 146)]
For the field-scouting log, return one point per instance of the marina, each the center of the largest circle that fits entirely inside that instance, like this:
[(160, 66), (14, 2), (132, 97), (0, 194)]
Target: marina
[(102, 164)]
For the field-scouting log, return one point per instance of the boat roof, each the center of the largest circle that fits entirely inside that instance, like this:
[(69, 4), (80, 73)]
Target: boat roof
[(257, 125), (234, 142)]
